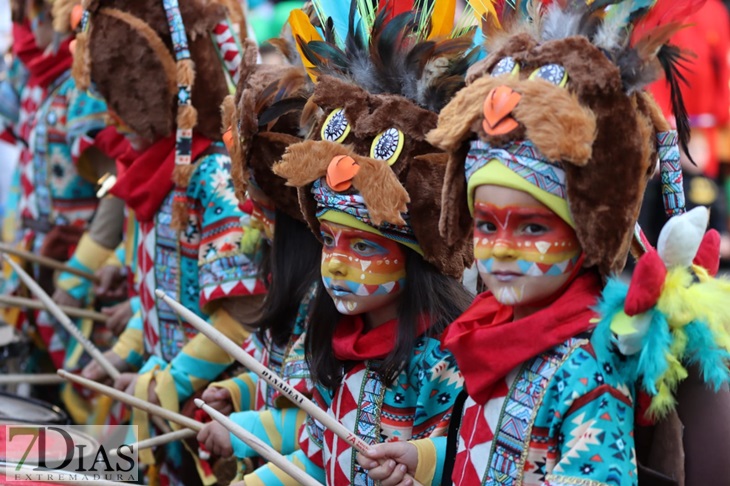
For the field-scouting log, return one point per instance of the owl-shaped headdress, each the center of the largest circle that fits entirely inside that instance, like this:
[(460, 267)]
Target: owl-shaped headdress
[(560, 100), (144, 57), (381, 78)]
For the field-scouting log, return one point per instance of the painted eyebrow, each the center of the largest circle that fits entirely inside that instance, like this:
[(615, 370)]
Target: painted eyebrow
[(519, 212)]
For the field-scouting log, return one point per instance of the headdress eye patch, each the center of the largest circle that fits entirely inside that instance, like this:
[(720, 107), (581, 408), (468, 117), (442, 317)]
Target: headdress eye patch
[(387, 146), (336, 127)]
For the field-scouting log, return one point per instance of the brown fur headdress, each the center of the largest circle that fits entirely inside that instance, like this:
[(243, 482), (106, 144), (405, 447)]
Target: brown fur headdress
[(263, 118), (130, 57), (376, 97), (568, 78)]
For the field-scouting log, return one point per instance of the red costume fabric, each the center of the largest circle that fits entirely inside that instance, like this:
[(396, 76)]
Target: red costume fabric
[(145, 179), (489, 325)]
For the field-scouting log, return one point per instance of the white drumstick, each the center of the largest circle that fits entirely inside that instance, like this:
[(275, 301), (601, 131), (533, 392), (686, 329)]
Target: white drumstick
[(63, 319), (270, 377), (263, 449)]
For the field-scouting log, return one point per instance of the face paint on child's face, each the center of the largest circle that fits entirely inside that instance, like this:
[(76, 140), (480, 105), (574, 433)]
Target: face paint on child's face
[(263, 217), (524, 251), (361, 271)]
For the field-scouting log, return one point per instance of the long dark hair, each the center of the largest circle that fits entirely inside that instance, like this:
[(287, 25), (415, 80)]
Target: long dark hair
[(426, 292), (292, 263)]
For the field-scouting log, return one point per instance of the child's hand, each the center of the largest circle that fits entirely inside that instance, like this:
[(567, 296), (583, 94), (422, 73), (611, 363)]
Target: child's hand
[(219, 399), (216, 439), (398, 459)]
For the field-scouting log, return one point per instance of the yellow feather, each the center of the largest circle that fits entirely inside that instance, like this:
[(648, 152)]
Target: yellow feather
[(302, 27), (443, 18), (483, 9)]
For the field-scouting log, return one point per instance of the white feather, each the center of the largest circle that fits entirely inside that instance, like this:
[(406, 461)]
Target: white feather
[(558, 24), (609, 35)]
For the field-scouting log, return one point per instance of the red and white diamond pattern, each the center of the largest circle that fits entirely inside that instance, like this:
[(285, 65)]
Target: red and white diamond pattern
[(478, 424), (338, 454), (147, 285)]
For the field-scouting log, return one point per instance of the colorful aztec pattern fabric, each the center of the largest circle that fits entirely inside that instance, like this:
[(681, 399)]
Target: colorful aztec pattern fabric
[(416, 406), (199, 265), (564, 418), (262, 410), (55, 127), (524, 159)]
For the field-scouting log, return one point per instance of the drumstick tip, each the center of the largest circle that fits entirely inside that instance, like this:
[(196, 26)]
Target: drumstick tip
[(199, 403), (160, 293)]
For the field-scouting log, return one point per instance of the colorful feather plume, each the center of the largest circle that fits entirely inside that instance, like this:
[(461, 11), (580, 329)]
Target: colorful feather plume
[(410, 54)]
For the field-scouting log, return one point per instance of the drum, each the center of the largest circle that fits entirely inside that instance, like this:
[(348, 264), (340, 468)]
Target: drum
[(15, 409)]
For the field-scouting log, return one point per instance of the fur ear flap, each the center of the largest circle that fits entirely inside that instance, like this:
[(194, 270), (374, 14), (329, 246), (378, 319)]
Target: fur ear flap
[(308, 206), (455, 220), (425, 177), (239, 172), (383, 194), (249, 56)]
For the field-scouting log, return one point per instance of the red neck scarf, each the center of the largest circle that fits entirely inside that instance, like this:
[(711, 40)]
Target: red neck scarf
[(488, 344), (144, 180), (352, 342), (43, 69)]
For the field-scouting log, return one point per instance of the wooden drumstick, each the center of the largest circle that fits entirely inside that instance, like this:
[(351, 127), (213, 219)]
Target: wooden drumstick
[(270, 377), (42, 379), (47, 262), (162, 439), (63, 319), (263, 449), (132, 401), (184, 421), (12, 301)]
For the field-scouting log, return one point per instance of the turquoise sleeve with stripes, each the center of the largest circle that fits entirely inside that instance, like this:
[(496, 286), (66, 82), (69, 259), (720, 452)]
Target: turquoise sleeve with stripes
[(282, 436)]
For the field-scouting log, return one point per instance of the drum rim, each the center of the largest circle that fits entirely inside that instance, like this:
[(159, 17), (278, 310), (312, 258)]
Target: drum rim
[(55, 408)]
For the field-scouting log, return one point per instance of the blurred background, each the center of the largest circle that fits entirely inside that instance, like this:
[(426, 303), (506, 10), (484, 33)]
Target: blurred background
[(706, 93)]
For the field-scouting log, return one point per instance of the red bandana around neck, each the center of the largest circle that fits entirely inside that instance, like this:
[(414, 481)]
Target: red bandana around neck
[(487, 343), (144, 180), (43, 69), (352, 342)]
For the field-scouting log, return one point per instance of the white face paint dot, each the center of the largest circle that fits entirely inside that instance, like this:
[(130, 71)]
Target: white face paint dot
[(395, 261), (362, 276), (387, 262)]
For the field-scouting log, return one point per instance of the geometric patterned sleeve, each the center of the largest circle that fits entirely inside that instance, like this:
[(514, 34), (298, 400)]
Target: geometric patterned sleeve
[(224, 268), (130, 344), (200, 361), (587, 422), (275, 427), (308, 458), (88, 257), (86, 117), (438, 382)]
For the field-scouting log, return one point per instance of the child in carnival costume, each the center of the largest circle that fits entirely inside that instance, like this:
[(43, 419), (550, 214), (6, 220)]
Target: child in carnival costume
[(143, 58), (66, 145), (551, 145), (263, 119), (369, 186)]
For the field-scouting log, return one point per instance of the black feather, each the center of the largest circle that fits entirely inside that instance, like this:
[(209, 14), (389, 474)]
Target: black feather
[(672, 60), (280, 108)]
